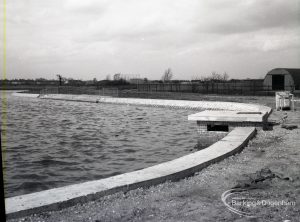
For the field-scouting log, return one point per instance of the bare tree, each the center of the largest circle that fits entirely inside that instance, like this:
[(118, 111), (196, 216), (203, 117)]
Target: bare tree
[(216, 76), (213, 77), (117, 76), (200, 78), (108, 77), (225, 76), (167, 76), (219, 77), (60, 79)]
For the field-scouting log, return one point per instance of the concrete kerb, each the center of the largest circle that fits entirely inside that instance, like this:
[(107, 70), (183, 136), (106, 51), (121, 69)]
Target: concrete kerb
[(58, 198)]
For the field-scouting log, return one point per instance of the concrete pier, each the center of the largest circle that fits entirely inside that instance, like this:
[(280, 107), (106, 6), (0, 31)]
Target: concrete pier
[(212, 120)]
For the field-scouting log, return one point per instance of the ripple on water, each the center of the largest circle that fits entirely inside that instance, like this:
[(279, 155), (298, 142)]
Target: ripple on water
[(130, 151), (32, 186), (31, 176), (56, 143)]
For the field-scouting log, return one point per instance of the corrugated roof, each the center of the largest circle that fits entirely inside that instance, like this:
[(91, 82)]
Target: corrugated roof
[(295, 73)]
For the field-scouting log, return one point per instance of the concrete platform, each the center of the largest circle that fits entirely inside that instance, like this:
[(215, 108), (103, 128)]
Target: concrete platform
[(229, 116)]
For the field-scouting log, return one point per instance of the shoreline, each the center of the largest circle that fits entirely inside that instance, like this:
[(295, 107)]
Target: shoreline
[(67, 196), (171, 103), (86, 212)]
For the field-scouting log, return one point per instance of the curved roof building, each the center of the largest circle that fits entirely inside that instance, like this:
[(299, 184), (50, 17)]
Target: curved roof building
[(282, 79)]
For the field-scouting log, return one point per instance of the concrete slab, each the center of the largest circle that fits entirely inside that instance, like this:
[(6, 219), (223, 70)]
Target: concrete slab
[(228, 116), (57, 198), (233, 138)]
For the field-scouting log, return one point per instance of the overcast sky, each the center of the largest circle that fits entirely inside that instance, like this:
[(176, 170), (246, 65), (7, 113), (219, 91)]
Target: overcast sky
[(83, 39)]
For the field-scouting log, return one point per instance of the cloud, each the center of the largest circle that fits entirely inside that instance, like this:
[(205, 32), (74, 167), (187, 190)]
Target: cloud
[(146, 36), (248, 16), (90, 7)]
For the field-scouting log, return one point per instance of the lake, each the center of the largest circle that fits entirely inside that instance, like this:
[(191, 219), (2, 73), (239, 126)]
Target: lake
[(52, 143)]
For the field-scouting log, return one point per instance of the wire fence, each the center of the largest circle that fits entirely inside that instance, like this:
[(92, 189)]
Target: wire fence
[(164, 89), (229, 88)]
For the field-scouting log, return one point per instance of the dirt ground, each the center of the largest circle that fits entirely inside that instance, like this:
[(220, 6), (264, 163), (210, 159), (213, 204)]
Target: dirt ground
[(267, 169)]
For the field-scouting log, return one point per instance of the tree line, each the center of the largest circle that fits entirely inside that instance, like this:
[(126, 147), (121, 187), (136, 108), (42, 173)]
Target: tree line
[(116, 79)]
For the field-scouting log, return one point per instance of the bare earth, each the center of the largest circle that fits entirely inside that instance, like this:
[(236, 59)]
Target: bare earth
[(268, 168)]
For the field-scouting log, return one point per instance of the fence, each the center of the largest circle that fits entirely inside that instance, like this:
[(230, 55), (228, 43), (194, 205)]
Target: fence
[(240, 88), (254, 88)]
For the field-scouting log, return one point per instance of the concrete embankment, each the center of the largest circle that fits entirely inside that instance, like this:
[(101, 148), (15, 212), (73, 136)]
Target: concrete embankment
[(184, 104)]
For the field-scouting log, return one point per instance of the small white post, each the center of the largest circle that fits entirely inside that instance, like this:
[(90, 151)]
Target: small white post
[(293, 102)]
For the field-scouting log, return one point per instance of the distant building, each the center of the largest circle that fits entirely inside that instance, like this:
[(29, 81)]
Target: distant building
[(282, 79)]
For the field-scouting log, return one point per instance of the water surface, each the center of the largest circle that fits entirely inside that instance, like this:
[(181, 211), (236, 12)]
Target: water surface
[(53, 143)]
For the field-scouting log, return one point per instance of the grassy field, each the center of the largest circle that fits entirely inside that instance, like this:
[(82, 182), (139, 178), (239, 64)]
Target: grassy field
[(268, 168)]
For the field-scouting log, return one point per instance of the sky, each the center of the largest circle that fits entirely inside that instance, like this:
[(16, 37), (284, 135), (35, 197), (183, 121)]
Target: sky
[(86, 39)]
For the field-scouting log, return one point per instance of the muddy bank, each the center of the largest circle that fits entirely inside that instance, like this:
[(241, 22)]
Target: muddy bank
[(198, 198)]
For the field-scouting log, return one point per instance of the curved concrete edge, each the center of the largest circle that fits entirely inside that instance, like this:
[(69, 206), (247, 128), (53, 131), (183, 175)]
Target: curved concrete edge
[(185, 104), (20, 94), (58, 198)]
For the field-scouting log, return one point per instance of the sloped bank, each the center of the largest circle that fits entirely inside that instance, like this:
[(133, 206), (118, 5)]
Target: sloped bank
[(185, 104), (55, 199)]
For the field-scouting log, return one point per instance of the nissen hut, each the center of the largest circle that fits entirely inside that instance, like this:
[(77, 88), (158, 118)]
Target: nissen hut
[(282, 79)]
